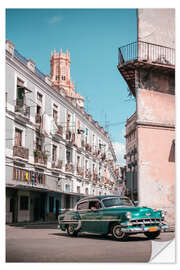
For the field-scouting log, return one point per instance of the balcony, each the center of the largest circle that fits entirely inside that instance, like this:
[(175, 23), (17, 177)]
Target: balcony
[(22, 152), (59, 133), (139, 54), (88, 174), (80, 171), (69, 167), (57, 164), (38, 118), (40, 157), (68, 135), (60, 130), (88, 147), (22, 108), (95, 177)]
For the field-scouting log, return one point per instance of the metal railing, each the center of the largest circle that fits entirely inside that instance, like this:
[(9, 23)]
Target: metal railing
[(20, 57), (144, 51), (40, 74), (25, 61)]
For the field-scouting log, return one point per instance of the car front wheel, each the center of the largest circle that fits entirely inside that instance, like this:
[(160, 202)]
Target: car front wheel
[(152, 235), (71, 231), (117, 233)]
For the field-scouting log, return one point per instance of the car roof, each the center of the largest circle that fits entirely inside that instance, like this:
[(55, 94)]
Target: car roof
[(99, 197)]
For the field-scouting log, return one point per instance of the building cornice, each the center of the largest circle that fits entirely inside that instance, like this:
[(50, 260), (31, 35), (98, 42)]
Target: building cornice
[(146, 124)]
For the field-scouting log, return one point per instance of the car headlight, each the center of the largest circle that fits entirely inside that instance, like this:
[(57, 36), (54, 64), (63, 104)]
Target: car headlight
[(163, 213), (129, 215)]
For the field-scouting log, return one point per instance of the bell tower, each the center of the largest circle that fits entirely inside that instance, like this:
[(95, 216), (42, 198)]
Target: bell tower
[(61, 77)]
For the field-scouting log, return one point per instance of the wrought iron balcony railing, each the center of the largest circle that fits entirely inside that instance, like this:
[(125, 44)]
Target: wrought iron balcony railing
[(20, 151), (144, 51), (57, 164), (69, 167), (22, 108)]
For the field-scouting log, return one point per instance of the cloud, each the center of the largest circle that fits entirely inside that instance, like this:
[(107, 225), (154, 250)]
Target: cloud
[(55, 19), (120, 151)]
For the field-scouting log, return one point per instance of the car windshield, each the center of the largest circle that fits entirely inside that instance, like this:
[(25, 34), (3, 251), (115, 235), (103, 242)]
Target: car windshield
[(116, 202)]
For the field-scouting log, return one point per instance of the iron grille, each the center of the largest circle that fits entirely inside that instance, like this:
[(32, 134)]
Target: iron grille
[(144, 51)]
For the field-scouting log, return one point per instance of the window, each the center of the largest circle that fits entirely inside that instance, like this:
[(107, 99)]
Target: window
[(38, 143), (78, 189), (55, 113), (51, 204), (24, 203), (54, 153), (67, 188), (95, 204), (78, 161), (82, 206), (86, 164), (86, 191), (39, 97), (63, 78), (68, 156), (18, 137), (20, 93)]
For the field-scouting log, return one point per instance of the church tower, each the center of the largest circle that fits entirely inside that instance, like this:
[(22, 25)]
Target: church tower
[(61, 77)]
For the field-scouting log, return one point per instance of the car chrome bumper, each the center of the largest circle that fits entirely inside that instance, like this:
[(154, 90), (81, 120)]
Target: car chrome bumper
[(142, 229)]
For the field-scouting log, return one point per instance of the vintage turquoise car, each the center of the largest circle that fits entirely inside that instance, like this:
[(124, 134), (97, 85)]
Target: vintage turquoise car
[(112, 214)]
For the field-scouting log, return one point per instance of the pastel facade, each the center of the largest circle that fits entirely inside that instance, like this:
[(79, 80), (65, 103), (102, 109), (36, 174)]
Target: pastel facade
[(55, 152), (148, 66)]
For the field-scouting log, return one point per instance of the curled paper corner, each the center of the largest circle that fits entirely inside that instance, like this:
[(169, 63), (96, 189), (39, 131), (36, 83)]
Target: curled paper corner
[(163, 252)]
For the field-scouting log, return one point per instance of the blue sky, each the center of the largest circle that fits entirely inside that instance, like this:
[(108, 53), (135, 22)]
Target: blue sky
[(93, 37)]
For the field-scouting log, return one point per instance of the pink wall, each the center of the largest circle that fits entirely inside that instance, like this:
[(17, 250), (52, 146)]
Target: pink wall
[(156, 107), (156, 169)]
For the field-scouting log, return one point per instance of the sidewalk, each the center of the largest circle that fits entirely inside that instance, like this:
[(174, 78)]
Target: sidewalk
[(36, 225)]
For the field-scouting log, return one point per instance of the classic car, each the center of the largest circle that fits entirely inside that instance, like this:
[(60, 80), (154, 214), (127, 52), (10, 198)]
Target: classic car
[(112, 215)]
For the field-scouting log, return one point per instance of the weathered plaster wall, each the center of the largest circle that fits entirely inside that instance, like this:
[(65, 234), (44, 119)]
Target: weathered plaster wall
[(156, 80), (156, 107), (156, 172), (157, 25), (156, 167)]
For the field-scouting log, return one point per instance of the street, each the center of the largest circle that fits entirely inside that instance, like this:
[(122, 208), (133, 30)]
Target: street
[(41, 244)]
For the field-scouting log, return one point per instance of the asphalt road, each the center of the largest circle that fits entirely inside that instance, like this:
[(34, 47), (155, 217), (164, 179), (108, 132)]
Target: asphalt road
[(52, 245)]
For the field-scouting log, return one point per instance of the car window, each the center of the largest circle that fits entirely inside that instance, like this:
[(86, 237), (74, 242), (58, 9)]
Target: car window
[(82, 206), (115, 202), (94, 205)]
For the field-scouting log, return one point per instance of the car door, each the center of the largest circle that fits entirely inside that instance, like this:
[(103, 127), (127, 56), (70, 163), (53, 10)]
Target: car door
[(82, 209), (93, 218)]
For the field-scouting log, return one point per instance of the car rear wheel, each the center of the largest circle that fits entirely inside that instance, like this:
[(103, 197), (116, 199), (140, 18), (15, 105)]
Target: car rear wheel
[(71, 231), (117, 233), (152, 235)]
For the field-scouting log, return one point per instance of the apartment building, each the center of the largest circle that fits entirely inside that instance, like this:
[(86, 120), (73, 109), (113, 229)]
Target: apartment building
[(55, 152), (131, 158)]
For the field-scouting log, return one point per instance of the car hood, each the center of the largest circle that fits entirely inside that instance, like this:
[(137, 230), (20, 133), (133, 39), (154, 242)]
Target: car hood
[(137, 212)]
